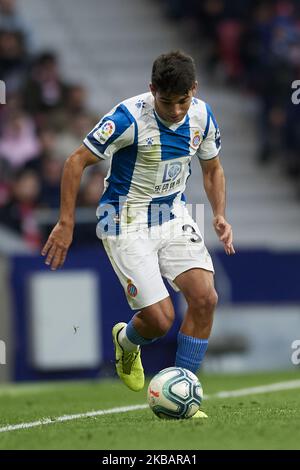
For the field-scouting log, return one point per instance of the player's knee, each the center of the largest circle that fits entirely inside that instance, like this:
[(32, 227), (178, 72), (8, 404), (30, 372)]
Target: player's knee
[(212, 298), (204, 301), (158, 318), (169, 316), (164, 321)]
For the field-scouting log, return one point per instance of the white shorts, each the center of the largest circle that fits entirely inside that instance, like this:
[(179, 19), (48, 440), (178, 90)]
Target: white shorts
[(141, 258)]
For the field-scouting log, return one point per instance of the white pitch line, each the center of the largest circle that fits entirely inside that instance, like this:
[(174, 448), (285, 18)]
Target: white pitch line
[(59, 419), (275, 387)]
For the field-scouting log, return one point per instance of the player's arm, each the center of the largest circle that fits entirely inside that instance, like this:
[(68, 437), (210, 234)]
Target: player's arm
[(60, 239), (215, 188)]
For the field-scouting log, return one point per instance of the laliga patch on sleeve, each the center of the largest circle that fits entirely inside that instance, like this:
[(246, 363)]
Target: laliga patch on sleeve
[(104, 132)]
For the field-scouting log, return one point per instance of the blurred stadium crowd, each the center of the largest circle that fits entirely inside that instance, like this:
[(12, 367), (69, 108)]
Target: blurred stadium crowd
[(251, 44), (43, 121), (254, 44)]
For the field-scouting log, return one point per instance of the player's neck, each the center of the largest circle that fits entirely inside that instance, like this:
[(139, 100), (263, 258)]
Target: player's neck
[(169, 123)]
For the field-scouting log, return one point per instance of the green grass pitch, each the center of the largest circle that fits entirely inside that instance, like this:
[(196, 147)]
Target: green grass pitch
[(252, 421)]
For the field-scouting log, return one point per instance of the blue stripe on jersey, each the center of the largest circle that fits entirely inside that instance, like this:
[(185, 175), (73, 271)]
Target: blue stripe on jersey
[(122, 120), (183, 198), (207, 122), (159, 209), (122, 167), (210, 116), (174, 143)]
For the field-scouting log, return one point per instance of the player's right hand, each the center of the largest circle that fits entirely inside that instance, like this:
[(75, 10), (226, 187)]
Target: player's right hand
[(224, 232), (57, 245)]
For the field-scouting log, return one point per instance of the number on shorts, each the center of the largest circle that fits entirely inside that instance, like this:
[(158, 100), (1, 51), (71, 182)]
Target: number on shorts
[(196, 238)]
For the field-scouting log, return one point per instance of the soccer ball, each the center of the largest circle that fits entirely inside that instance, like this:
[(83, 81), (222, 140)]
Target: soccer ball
[(175, 393)]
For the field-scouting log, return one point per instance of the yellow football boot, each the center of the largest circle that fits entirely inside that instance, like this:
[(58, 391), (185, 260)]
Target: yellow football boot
[(200, 414), (128, 364)]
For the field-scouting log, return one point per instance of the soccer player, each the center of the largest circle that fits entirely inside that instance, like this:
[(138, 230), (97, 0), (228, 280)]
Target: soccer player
[(143, 222)]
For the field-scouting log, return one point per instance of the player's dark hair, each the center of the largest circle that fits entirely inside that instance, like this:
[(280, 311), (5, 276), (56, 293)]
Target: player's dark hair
[(173, 73)]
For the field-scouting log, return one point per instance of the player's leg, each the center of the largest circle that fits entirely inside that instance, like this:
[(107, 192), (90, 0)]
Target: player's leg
[(136, 265), (186, 263), (144, 328), (155, 320), (197, 286)]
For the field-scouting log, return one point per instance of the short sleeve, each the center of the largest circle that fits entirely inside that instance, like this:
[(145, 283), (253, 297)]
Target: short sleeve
[(113, 132), (211, 144)]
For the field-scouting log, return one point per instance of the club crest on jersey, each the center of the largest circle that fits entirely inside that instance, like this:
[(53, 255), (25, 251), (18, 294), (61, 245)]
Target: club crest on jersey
[(104, 132), (196, 139)]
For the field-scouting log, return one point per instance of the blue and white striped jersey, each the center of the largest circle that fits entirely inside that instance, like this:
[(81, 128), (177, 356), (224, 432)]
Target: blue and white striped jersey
[(150, 158)]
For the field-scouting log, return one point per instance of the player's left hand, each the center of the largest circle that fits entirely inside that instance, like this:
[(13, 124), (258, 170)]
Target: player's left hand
[(224, 231)]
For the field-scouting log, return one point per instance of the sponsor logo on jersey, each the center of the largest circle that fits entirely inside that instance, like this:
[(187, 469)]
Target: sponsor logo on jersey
[(169, 177), (170, 180), (104, 132), (172, 170)]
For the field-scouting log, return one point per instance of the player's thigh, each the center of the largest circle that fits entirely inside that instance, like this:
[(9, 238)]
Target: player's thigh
[(135, 262), (185, 250)]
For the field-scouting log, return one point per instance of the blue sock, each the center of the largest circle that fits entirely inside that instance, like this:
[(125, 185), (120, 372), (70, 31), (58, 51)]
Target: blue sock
[(190, 352), (133, 335)]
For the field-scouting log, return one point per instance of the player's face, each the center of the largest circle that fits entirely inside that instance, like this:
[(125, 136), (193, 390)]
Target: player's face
[(170, 107)]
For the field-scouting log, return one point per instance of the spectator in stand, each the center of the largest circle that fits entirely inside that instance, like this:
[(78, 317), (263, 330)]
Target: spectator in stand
[(18, 213), (51, 170), (48, 138), (19, 142), (13, 60), (10, 20), (92, 189), (72, 136), (45, 91), (4, 182), (90, 193), (76, 100)]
